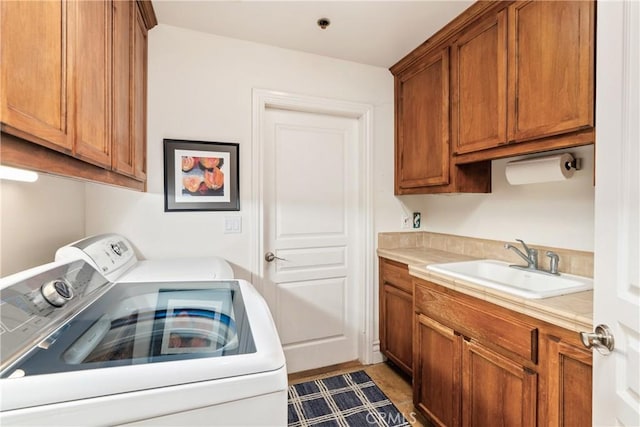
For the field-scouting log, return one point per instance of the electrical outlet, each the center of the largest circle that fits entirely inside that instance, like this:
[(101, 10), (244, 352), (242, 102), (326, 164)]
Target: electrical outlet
[(405, 221), (416, 219)]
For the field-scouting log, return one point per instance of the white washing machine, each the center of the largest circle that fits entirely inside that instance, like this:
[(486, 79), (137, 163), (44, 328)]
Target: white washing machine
[(78, 349), (114, 256)]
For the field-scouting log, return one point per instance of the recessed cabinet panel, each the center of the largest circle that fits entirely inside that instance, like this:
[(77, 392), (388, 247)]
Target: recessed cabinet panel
[(139, 101), (423, 124), (551, 66), (34, 70), (123, 149), (479, 86), (398, 319)]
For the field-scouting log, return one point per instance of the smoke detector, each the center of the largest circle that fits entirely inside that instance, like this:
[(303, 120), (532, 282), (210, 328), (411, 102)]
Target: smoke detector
[(323, 23)]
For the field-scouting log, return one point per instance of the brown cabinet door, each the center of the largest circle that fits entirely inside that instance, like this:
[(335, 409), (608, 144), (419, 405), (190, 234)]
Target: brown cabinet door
[(396, 336), (479, 86), (129, 90), (90, 26), (437, 368), (570, 385), (551, 68), (35, 78), (422, 123), (139, 101), (123, 149), (496, 390)]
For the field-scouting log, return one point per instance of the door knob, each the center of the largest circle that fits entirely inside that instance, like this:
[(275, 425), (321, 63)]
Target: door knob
[(601, 339), (270, 256)]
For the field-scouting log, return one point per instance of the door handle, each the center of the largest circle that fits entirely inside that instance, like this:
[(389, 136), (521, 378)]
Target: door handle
[(601, 339), (270, 256)]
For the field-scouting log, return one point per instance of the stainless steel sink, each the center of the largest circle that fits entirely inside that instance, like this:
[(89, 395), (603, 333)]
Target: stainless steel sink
[(523, 283)]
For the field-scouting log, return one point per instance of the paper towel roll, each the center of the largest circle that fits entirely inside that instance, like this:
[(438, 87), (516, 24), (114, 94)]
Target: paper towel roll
[(540, 169)]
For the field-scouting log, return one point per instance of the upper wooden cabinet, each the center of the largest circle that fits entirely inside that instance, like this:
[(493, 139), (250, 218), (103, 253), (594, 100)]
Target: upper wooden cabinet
[(129, 90), (35, 75), (524, 73), (479, 85), (423, 158), (551, 68), (519, 80), (422, 108), (74, 82), (91, 58)]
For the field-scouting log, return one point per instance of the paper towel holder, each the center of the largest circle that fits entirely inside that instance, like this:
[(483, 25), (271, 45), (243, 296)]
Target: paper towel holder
[(575, 164), (539, 169)]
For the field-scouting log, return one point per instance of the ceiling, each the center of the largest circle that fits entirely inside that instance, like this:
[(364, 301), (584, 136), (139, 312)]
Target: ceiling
[(371, 32)]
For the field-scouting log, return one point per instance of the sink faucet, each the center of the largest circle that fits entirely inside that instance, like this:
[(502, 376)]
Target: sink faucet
[(531, 257)]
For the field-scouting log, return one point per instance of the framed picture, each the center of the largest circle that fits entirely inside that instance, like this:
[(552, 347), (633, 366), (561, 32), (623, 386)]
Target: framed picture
[(201, 176)]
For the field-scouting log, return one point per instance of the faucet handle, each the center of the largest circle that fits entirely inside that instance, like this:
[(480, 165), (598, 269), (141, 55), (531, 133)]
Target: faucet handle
[(526, 248)]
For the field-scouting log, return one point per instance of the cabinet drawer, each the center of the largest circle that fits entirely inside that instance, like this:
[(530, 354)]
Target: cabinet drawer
[(396, 274), (478, 323)]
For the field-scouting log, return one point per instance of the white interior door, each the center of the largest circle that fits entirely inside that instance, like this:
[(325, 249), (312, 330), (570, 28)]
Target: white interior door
[(616, 377), (310, 211)]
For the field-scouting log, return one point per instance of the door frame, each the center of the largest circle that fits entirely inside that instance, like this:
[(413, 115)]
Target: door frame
[(263, 99)]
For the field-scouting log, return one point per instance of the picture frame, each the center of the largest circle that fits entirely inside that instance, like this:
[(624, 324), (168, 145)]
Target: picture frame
[(201, 176)]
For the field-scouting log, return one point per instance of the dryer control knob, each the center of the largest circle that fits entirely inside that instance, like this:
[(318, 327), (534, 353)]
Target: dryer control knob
[(57, 292)]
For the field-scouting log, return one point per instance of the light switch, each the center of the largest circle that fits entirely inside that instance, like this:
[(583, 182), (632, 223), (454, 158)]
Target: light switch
[(232, 224)]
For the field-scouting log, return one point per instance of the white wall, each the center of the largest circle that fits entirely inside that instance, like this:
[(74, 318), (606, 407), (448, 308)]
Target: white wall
[(200, 88), (36, 219), (558, 214)]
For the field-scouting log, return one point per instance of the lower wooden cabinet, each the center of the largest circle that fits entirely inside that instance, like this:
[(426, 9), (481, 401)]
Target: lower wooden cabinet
[(495, 389), (396, 314), (478, 364), (461, 382), (437, 375), (570, 384)]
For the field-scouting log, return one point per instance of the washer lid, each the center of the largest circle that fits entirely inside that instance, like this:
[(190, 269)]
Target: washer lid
[(264, 355)]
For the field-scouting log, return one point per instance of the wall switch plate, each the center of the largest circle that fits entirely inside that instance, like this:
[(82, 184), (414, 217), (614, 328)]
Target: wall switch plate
[(405, 221), (232, 224), (416, 219)]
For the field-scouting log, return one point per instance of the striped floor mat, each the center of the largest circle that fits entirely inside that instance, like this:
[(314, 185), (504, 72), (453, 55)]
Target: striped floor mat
[(344, 400)]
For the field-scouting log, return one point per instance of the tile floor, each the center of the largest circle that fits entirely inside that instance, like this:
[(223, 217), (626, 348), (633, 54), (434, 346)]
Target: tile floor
[(396, 385)]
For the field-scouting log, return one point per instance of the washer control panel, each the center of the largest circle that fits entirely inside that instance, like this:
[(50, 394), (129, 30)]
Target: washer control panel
[(111, 254), (34, 305)]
